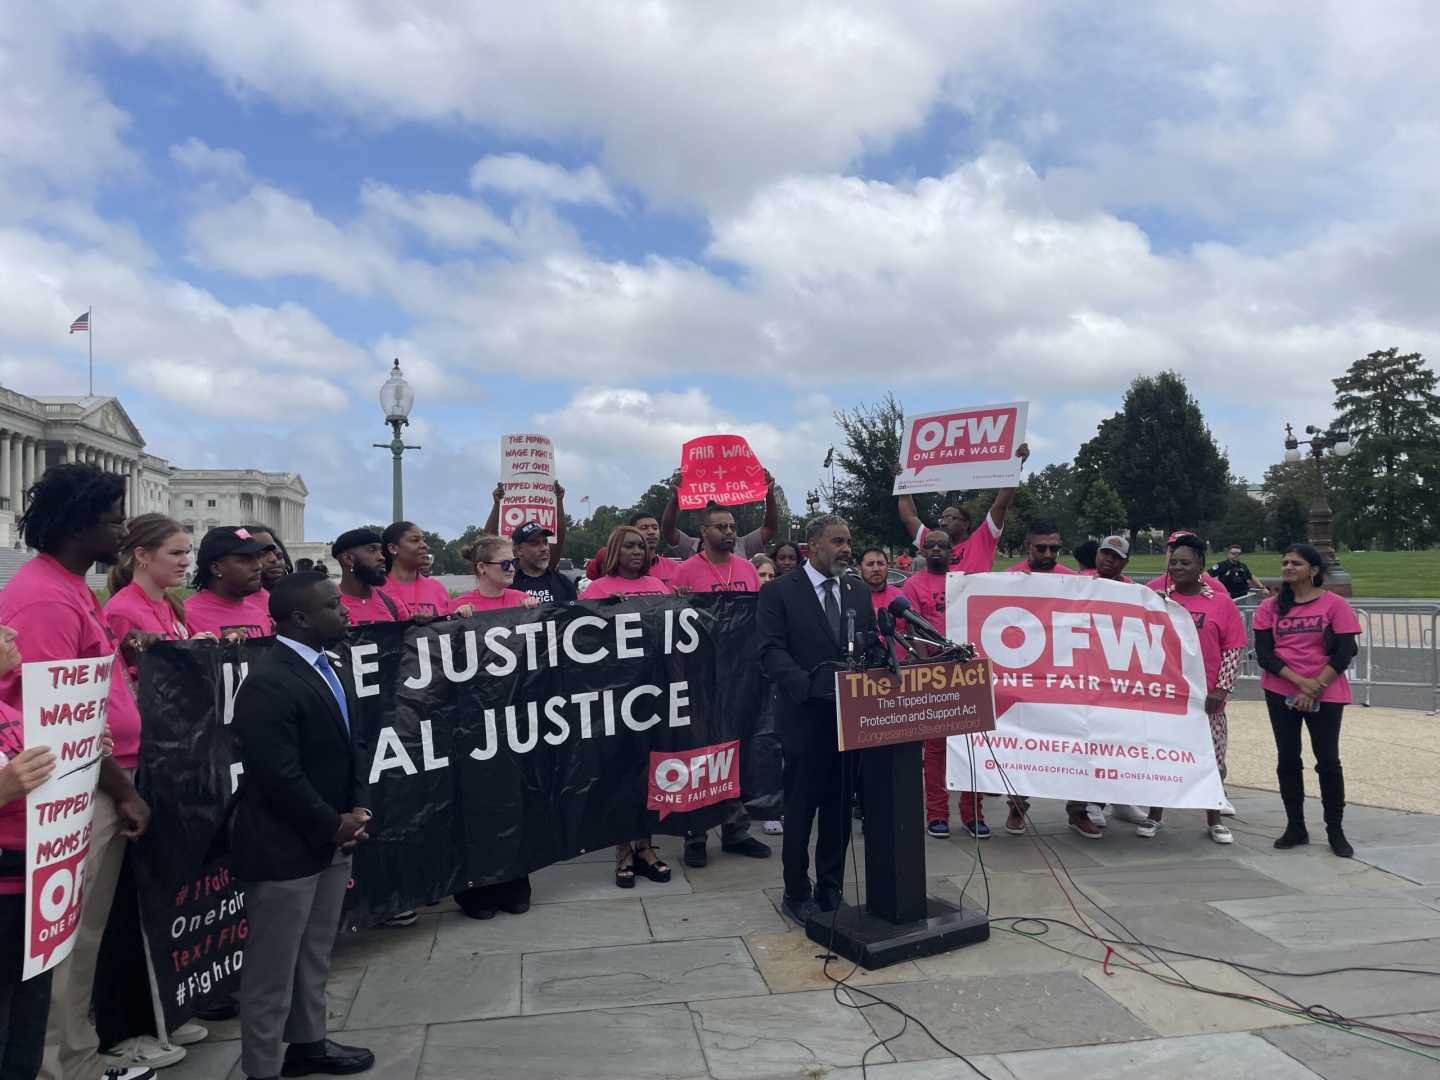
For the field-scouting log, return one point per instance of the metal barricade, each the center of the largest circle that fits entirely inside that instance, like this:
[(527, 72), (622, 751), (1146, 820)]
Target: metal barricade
[(1399, 646)]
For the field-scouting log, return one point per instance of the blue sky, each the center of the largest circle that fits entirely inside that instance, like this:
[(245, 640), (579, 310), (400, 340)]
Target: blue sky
[(625, 225)]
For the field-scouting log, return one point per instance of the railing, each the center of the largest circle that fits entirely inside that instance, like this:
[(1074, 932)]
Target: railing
[(1397, 647)]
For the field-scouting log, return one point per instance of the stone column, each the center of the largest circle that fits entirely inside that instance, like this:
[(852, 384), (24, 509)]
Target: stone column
[(37, 458), (6, 489), (17, 472), (70, 453), (27, 462)]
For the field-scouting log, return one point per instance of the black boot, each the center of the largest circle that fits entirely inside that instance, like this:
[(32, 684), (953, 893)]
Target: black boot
[(1332, 796), (1295, 832)]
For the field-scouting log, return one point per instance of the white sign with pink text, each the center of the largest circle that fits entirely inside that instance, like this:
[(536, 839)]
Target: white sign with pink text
[(1099, 693), (527, 472), (973, 446)]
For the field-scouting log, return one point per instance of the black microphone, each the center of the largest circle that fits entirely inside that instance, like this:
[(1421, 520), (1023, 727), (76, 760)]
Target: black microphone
[(901, 608), (850, 632), (885, 622)]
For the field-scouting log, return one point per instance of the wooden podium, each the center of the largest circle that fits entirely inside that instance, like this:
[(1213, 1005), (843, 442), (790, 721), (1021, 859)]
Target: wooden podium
[(882, 716)]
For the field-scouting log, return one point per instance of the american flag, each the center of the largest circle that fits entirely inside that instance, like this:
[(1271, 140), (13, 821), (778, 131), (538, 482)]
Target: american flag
[(81, 323), (586, 499)]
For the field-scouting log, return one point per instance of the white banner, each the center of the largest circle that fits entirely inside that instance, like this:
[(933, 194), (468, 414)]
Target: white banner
[(527, 471), (970, 447), (64, 710), (1099, 692)]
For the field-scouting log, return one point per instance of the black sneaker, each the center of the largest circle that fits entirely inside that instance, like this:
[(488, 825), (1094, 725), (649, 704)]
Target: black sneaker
[(749, 847)]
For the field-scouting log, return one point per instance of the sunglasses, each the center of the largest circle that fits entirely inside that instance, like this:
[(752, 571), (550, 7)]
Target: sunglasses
[(1046, 549), (506, 565)]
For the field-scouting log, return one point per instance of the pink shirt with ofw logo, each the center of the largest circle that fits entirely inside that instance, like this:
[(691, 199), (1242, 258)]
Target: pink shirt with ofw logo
[(374, 609), (423, 596), (615, 585), (210, 613), (1218, 625), (55, 616), (1300, 640), (699, 575)]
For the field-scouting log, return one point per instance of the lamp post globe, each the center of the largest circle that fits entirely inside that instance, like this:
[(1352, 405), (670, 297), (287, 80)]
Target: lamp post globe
[(396, 401), (1318, 526)]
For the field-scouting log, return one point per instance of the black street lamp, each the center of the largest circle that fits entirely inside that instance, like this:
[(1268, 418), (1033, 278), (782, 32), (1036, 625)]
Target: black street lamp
[(1318, 527), (396, 398)]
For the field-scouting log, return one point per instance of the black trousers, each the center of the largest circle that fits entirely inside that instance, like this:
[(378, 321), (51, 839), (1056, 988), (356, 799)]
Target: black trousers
[(496, 896), (24, 1006), (1324, 727), (817, 783)]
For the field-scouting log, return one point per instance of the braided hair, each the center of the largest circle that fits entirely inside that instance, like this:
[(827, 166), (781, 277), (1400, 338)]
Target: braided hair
[(66, 500)]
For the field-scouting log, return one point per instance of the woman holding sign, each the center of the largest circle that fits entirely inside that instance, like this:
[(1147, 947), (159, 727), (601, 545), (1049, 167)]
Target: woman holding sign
[(24, 1004), (627, 557), (1222, 643), (1304, 641)]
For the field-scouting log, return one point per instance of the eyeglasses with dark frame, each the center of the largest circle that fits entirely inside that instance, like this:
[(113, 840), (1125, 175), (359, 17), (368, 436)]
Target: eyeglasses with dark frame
[(506, 565)]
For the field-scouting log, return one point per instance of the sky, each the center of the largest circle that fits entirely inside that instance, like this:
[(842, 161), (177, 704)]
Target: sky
[(625, 225)]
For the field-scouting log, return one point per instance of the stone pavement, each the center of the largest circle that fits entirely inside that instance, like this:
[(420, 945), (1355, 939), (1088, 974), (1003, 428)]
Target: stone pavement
[(703, 978)]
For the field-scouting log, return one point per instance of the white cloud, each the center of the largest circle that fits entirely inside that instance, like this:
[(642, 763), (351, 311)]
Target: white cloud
[(525, 177), (207, 162)]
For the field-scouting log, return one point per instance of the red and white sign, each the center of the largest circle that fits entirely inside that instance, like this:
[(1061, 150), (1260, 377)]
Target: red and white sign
[(721, 469), (527, 472), (689, 779), (969, 447), (64, 710), (1099, 692)]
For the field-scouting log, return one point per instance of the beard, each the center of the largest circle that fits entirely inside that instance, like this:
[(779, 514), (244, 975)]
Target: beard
[(372, 576)]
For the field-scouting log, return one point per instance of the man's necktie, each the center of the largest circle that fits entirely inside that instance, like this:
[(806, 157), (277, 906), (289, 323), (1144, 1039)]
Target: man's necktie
[(832, 606), (322, 663)]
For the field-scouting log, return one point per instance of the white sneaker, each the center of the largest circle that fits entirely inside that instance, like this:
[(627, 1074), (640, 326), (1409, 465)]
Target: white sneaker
[(141, 1052), (773, 828), (1221, 835), (1096, 814), (1136, 815), (1147, 828), (401, 919), (128, 1072), (188, 1034)]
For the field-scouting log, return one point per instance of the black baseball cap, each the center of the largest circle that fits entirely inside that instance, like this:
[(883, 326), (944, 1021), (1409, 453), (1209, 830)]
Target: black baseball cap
[(353, 539), (529, 531), (228, 540)]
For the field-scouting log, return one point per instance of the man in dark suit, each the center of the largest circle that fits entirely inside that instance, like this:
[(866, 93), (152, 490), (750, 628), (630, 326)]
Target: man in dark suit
[(299, 816), (807, 621)]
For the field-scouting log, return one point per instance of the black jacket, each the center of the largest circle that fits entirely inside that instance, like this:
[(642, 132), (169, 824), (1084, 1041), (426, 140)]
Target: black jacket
[(302, 770), (798, 651)]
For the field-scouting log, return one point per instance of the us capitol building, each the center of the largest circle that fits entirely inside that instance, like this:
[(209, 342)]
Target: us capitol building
[(37, 432)]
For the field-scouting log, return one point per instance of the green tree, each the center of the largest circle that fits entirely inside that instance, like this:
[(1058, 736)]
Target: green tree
[(1157, 453), (1243, 522), (1387, 487), (447, 560), (863, 491), (1104, 512), (1288, 489), (1055, 490)]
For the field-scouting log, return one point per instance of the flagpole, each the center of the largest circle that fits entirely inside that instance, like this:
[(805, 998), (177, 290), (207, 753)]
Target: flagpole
[(90, 338)]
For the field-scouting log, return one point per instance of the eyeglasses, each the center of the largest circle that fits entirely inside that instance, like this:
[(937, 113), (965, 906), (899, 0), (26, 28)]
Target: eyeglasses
[(506, 565), (1046, 549)]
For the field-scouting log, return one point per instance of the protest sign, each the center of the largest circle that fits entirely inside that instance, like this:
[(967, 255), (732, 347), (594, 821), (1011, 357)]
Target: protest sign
[(498, 745), (527, 472), (969, 447), (1099, 692), (64, 704), (721, 469), (881, 707)]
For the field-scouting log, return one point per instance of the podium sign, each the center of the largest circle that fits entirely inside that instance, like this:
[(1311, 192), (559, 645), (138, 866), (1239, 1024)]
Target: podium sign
[(877, 707)]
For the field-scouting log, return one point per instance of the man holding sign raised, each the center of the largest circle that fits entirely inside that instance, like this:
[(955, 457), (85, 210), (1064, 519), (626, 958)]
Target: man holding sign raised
[(957, 450)]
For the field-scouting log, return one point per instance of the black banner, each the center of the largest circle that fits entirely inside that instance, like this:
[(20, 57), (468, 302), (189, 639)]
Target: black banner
[(499, 744)]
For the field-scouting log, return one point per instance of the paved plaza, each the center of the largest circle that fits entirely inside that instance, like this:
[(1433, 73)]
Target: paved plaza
[(703, 978)]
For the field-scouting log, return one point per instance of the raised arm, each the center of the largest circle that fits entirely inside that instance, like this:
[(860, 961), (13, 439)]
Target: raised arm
[(1001, 504), (559, 545), (668, 530), (909, 517), (771, 525), (492, 523)]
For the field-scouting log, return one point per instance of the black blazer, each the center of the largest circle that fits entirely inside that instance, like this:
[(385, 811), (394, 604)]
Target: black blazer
[(795, 641), (302, 770)]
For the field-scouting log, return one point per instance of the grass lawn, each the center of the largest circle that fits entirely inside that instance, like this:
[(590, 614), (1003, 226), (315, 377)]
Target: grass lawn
[(1407, 574)]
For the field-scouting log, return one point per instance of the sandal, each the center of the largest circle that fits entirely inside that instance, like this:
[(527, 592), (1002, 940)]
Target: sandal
[(625, 870), (657, 871)]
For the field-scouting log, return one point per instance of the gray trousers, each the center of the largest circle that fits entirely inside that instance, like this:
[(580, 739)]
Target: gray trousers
[(287, 962)]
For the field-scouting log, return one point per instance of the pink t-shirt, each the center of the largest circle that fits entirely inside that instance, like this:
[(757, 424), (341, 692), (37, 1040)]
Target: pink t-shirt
[(508, 599), (663, 569), (423, 596), (699, 575), (926, 591), (880, 601), (132, 609), (210, 613), (373, 609), (1096, 573), (1219, 625), (976, 553), (615, 585), (1300, 640), (56, 617), (1023, 567), (12, 814)]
